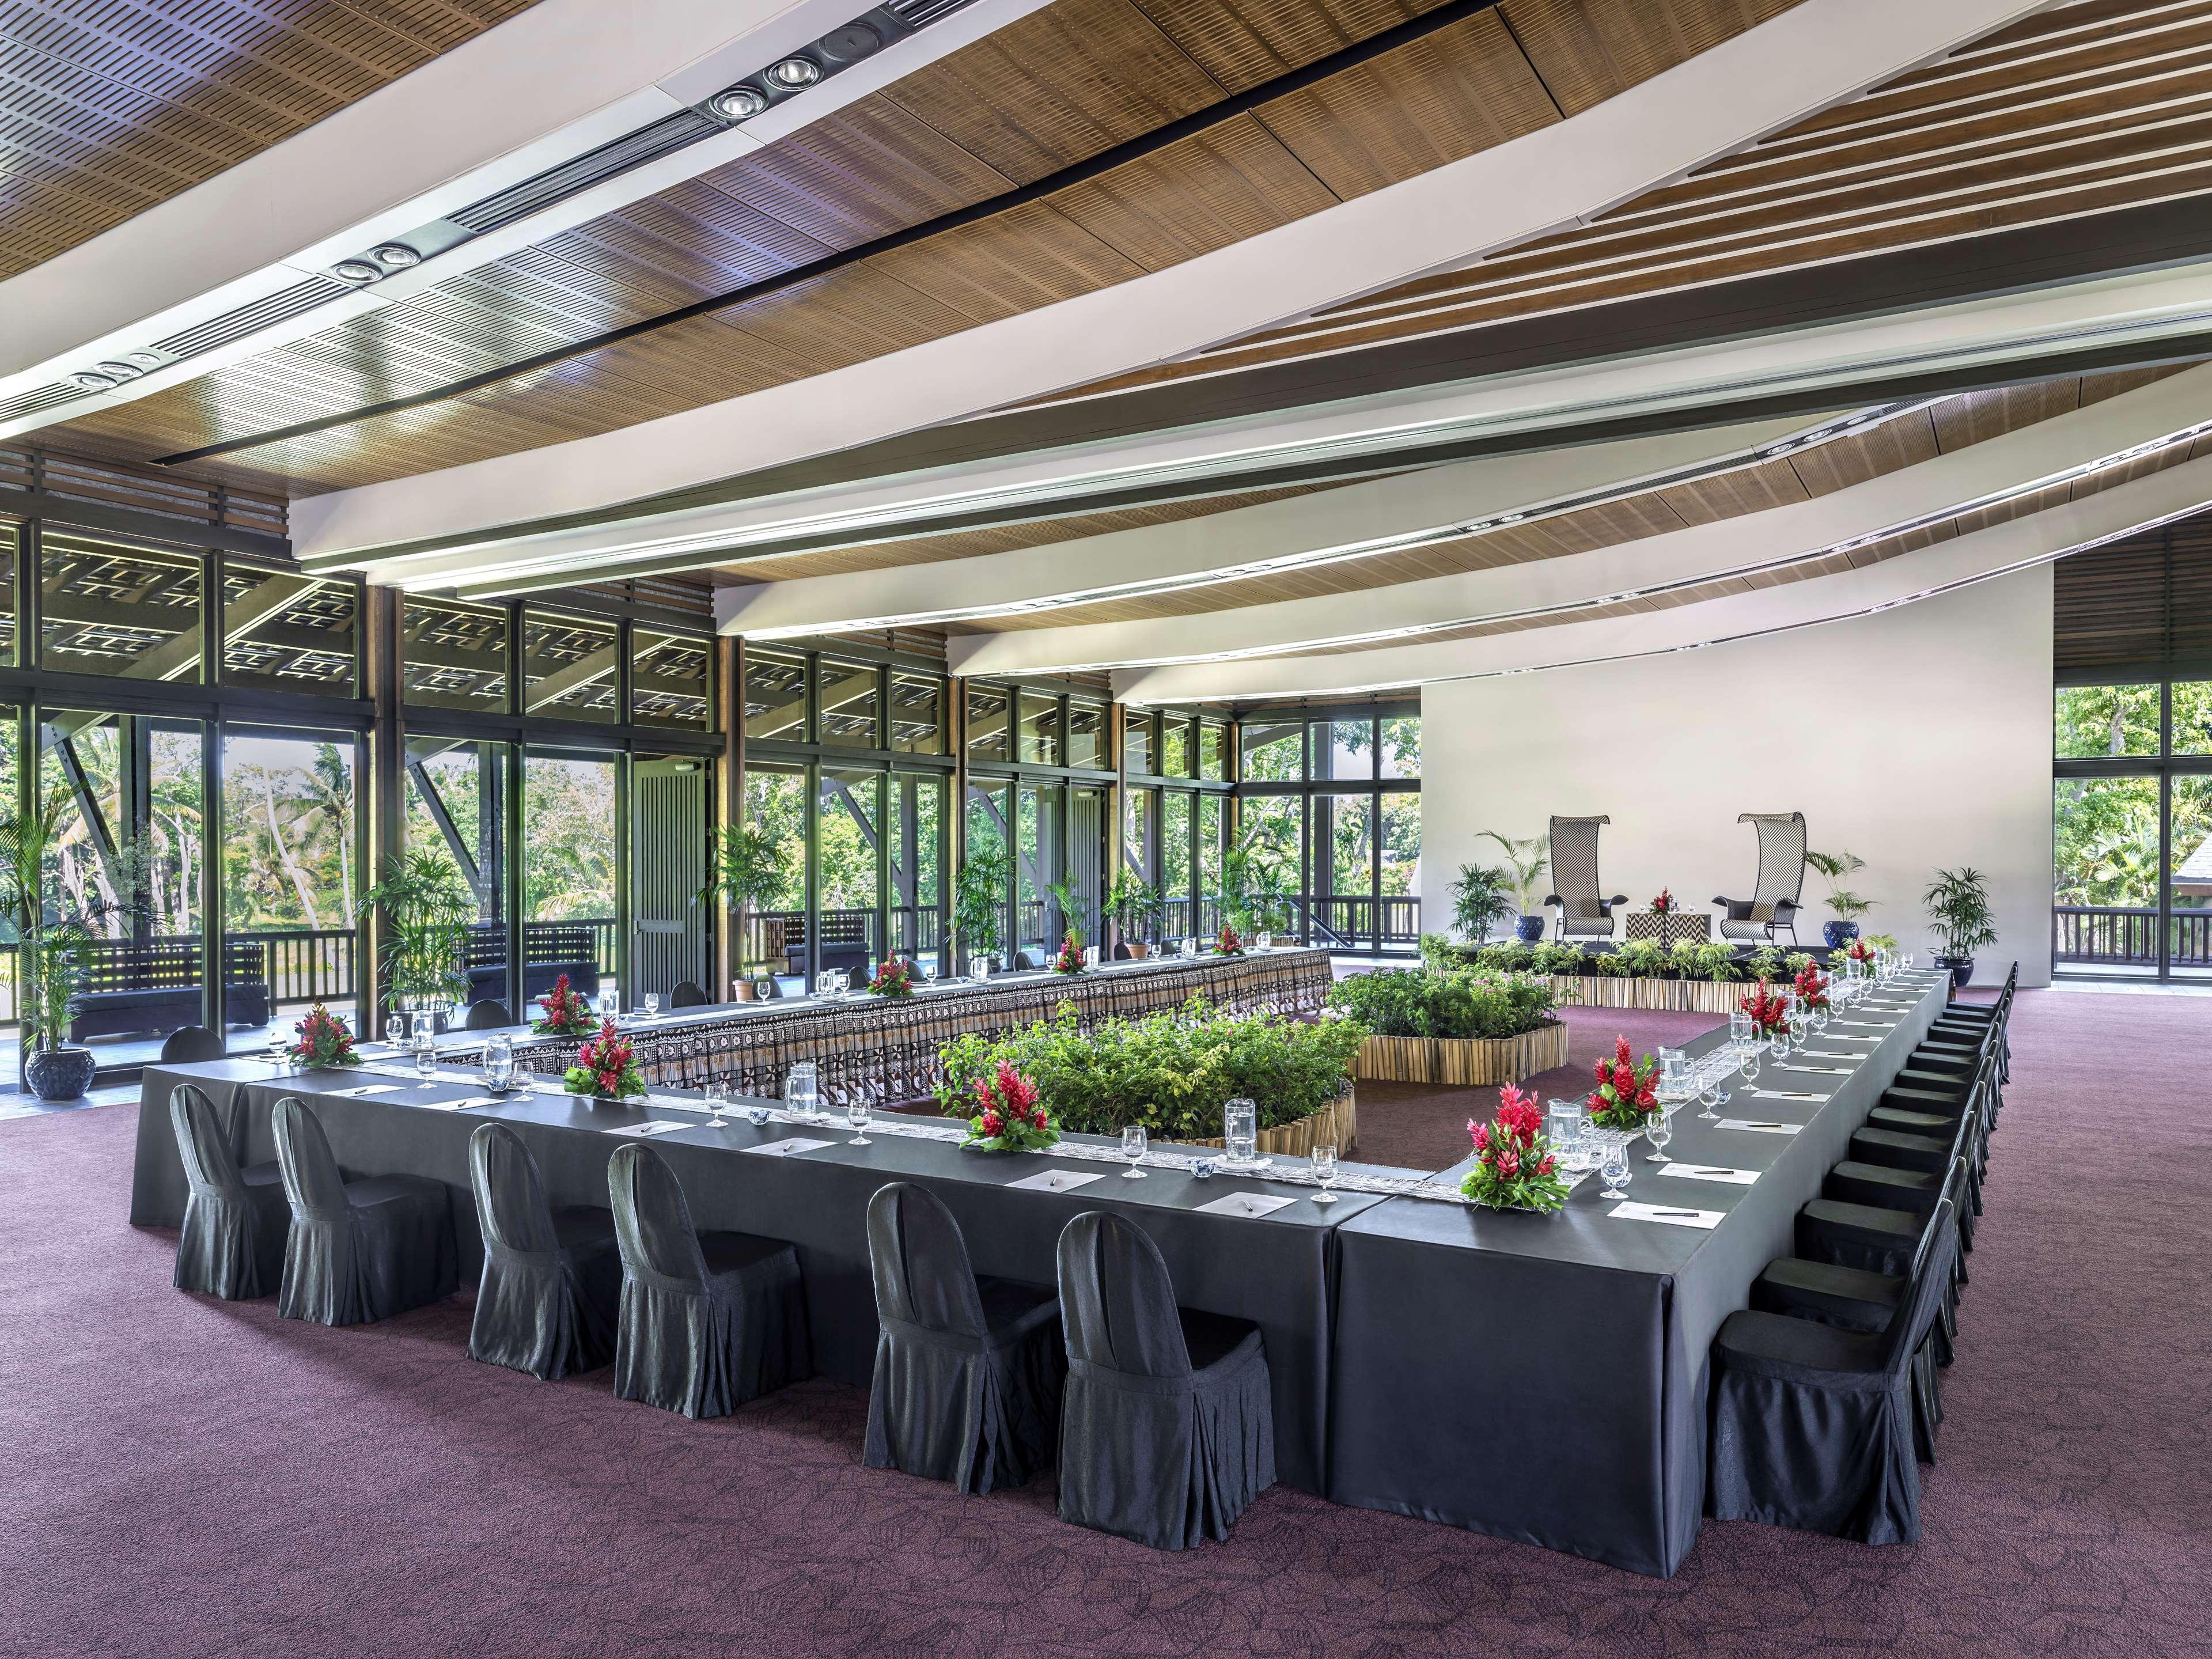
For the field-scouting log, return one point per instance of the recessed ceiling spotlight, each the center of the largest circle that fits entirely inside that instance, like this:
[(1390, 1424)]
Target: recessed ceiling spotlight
[(736, 103), (120, 371), (356, 272), (795, 72), (396, 256), (92, 381), (1511, 517), (145, 359)]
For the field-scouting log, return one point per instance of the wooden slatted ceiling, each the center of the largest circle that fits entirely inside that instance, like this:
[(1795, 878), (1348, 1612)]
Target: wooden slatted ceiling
[(114, 106), (2134, 604), (2082, 109), (1941, 427), (1065, 82)]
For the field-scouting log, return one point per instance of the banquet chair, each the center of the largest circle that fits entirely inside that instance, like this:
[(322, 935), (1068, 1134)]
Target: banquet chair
[(1167, 1428), (357, 1251), (1772, 906), (1898, 1167), (552, 1279), (191, 1045), (487, 1016), (707, 1320), (1812, 1425), (1582, 913), (1034, 961), (232, 1244), (687, 994), (967, 1369)]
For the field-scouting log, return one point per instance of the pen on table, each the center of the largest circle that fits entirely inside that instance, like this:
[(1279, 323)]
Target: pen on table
[(1699, 1172), (1692, 1214)]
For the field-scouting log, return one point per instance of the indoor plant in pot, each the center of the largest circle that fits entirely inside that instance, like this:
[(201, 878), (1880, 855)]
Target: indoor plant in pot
[(745, 868), (428, 907), (1835, 869), (979, 897), (1130, 906), (1481, 897), (1256, 879), (1958, 903), (1527, 860)]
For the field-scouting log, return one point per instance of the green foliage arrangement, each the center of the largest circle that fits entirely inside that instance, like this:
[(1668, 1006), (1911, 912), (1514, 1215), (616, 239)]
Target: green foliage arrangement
[(1529, 859), (1958, 903), (1131, 905), (1481, 897), (1507, 957), (1258, 877), (1461, 1003), (53, 925), (1559, 957), (1642, 958), (745, 867), (429, 908), (1835, 869), (1708, 959), (979, 899), (1169, 1072)]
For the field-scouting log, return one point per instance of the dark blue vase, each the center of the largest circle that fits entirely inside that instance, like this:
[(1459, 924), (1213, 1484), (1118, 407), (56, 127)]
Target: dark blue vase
[(1528, 929), (1840, 933), (62, 1074)]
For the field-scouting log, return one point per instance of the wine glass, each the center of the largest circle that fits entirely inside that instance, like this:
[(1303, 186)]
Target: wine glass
[(929, 973), (395, 1029), (1324, 1169), (1752, 1059), (1709, 1098), (1720, 1100), (718, 1098), (425, 1065), (653, 1004), (1614, 1172), (1134, 1137), (802, 1090), (1659, 1130), (856, 1113)]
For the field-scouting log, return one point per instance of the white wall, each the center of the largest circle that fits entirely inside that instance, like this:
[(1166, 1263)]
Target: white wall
[(1918, 738)]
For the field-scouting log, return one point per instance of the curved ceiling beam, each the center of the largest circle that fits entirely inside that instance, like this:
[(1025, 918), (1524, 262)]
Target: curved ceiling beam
[(1801, 61), (1352, 521), (549, 85), (1994, 551), (2014, 463)]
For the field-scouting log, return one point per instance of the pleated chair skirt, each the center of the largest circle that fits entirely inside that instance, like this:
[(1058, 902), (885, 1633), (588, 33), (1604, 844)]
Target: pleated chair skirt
[(706, 1354), (979, 1417), (1821, 1459), (548, 1313), (336, 1274), (230, 1249)]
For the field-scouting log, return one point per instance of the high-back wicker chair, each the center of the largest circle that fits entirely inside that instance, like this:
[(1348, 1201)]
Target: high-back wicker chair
[(1583, 912), (1772, 910)]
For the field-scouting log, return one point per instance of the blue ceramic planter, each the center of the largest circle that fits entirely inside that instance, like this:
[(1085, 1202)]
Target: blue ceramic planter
[(62, 1073), (1840, 933), (1528, 929)]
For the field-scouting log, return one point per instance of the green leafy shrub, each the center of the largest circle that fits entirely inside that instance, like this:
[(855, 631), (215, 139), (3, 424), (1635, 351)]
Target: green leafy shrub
[(1612, 964), (1645, 958), (1392, 1002), (1766, 963), (1510, 958), (1418, 1002), (1169, 1072), (1559, 957), (1440, 955), (1710, 959)]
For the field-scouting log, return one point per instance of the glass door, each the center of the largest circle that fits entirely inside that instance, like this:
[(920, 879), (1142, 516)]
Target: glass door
[(672, 935), (571, 900), (456, 794), (917, 866), (775, 929), (848, 910), (1038, 923), (990, 835), (1344, 871)]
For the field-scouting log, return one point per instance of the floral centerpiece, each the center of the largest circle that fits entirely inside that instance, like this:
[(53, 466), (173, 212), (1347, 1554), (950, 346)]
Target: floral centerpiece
[(1769, 1013), (1664, 904), (1229, 944), (1862, 953), (1070, 959), (1008, 1117), (1514, 1165), (566, 1011), (894, 979), (1812, 988), (607, 1065), (322, 1041), (1626, 1096)]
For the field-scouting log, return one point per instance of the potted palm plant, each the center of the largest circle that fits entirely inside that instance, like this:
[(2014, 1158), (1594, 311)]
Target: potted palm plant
[(428, 909), (1255, 882), (745, 867), (1527, 860), (1481, 897), (1131, 905), (1835, 869), (979, 898), (1958, 903)]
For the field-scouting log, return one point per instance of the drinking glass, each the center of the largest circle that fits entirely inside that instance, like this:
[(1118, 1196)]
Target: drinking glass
[(277, 1045), (1563, 1127), (929, 973), (1750, 1062), (856, 1113), (802, 1090), (1720, 1100), (843, 981), (425, 1025), (1240, 1121), (1132, 1148), (653, 1004), (1659, 1131), (499, 1062), (718, 1098), (1266, 942), (1090, 955), (1709, 1097), (1324, 1169), (1614, 1172), (395, 1029), (425, 1065)]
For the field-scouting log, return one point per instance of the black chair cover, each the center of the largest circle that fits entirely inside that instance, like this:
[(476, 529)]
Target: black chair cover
[(487, 1016), (552, 1279), (1813, 1426), (968, 1371), (687, 994), (191, 1045), (358, 1250), (232, 1245), (1167, 1428), (708, 1320)]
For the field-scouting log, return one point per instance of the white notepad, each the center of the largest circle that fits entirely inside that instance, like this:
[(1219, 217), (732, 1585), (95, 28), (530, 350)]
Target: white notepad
[(1758, 1128), (1709, 1172), (1246, 1204), (361, 1089), (785, 1148), (1818, 1070), (1057, 1180), (1629, 1210), (1781, 1094), (649, 1128)]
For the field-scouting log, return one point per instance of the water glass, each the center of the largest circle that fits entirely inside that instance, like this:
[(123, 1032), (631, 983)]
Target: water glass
[(425, 1065), (1709, 1097), (1266, 942), (1240, 1121), (978, 968), (1748, 1062), (1659, 1131), (929, 972), (1324, 1172), (718, 1098), (1614, 1170), (1563, 1127), (395, 1029), (276, 1055), (856, 1113), (802, 1090), (1132, 1148), (499, 1062), (653, 1004), (425, 1026)]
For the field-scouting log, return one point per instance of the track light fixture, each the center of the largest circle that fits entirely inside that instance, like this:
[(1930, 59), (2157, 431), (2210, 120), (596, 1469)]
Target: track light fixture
[(396, 256), (739, 102), (92, 381), (358, 272), (795, 72)]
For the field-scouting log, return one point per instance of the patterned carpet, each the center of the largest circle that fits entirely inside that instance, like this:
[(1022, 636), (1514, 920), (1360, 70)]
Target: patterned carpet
[(180, 1477)]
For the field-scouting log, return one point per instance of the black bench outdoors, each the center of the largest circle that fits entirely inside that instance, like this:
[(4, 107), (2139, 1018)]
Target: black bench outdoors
[(549, 950), (156, 988)]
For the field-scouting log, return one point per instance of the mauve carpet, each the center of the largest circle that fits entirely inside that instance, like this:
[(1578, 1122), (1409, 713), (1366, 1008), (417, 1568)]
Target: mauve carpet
[(185, 1477)]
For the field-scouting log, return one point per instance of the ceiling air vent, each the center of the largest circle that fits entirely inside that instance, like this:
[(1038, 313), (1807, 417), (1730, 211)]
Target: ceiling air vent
[(266, 313), (920, 14), (45, 397), (557, 184)]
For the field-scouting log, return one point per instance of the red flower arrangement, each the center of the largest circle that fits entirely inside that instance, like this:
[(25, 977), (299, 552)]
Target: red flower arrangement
[(1229, 944), (894, 979), (323, 1040), (606, 1066), (1627, 1093), (1769, 1013), (567, 1012), (1812, 987), (1664, 904), (1514, 1165), (1070, 959), (1862, 953), (1009, 1117)]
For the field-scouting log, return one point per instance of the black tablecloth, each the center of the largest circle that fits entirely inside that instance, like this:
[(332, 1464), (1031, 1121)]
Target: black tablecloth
[(1544, 1378), (1275, 1271)]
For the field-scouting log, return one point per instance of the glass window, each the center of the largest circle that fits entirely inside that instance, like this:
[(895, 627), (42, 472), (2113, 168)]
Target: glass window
[(569, 895), (1272, 822), (775, 695), (1174, 747), (289, 884), (1086, 734), (1174, 860), (990, 835), (917, 864), (130, 613), (1212, 819), (1036, 866), (1140, 817), (988, 711), (917, 714), (1040, 733), (455, 655), (2192, 717), (671, 680), (286, 632), (1343, 749), (671, 938), (8, 546), (1274, 751), (1400, 749), (775, 928), (1137, 742), (1401, 845), (1212, 751), (848, 702), (2094, 722), (2189, 838), (850, 828), (456, 811), (569, 667)]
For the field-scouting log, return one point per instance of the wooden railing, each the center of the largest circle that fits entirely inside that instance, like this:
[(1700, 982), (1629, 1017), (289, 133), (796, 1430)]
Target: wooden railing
[(2127, 935)]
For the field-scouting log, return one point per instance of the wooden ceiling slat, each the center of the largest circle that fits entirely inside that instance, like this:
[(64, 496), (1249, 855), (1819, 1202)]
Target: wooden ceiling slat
[(1243, 43), (1587, 51)]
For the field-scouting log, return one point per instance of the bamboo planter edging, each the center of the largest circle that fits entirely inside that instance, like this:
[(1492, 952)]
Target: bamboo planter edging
[(1462, 1062), (1396, 1060), (1336, 1124), (1679, 996)]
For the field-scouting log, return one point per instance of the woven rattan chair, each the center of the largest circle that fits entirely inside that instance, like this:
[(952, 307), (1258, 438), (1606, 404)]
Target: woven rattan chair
[(1772, 910), (1583, 912)]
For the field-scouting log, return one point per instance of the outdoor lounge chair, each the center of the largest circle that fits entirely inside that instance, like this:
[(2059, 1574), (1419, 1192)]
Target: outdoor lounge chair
[(1772, 910)]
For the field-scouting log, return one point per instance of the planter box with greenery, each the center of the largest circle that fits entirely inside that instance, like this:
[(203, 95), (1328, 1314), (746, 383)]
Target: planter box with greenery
[(1173, 1071), (1958, 903), (1691, 978), (1455, 1025)]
